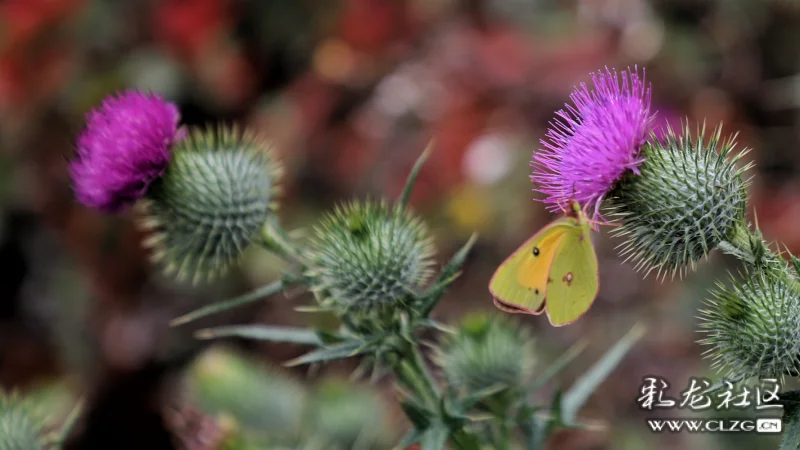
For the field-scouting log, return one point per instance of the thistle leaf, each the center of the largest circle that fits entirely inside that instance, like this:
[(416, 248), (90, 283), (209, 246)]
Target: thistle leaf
[(473, 398), (447, 275), (417, 414), (262, 333), (329, 353), (559, 364), (412, 177), (435, 437), (576, 396), (244, 299)]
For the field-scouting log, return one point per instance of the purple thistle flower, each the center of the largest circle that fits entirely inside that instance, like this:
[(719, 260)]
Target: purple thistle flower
[(590, 145), (124, 148)]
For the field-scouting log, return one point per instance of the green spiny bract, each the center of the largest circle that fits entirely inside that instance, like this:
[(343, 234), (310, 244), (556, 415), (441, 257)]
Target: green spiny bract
[(20, 427), (368, 259), (485, 352), (753, 326), (687, 197), (211, 203)]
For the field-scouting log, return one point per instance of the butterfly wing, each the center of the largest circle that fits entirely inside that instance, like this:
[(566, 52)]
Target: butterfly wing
[(520, 284), (574, 277)]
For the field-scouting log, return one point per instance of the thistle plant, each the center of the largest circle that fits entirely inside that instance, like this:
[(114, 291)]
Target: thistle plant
[(204, 193), (369, 262), (676, 198), (207, 195), (211, 193)]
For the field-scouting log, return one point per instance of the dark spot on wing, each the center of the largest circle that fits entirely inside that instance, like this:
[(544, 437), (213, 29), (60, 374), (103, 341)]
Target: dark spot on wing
[(567, 279), (535, 251), (536, 292)]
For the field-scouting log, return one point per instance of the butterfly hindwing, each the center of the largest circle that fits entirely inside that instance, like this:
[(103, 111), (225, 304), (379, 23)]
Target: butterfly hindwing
[(574, 276)]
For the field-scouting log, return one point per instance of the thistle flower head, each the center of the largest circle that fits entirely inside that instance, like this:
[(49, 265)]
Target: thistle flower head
[(368, 256), (123, 149), (20, 427), (593, 143), (487, 351), (688, 197), (211, 203), (752, 327)]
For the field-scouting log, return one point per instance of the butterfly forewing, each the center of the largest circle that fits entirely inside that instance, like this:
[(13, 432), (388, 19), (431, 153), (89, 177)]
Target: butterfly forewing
[(520, 284)]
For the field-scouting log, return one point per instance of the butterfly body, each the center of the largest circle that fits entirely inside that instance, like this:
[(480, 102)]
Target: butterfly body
[(555, 272)]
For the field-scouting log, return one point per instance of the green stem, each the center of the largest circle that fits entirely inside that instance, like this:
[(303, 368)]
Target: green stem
[(412, 372), (505, 427), (499, 405), (278, 241), (422, 368), (740, 244), (750, 247)]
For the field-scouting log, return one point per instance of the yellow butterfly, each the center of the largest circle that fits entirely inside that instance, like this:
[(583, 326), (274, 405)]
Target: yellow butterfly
[(554, 271)]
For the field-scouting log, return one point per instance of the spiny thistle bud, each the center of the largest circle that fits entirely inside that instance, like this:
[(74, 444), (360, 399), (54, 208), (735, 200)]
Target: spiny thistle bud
[(20, 427), (687, 197), (753, 326), (345, 417), (227, 384), (487, 351), (369, 256), (211, 203)]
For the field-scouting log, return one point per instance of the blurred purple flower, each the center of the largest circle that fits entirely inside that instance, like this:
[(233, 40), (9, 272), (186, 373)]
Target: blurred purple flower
[(590, 145), (124, 148)]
